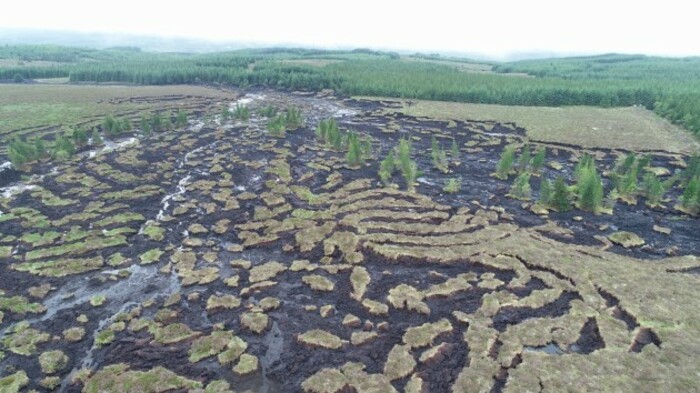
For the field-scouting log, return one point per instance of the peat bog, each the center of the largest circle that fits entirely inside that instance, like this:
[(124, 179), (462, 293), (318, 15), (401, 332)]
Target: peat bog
[(220, 258)]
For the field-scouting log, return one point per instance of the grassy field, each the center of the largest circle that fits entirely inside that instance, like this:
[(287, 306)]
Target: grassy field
[(29, 109), (458, 65), (629, 128), (311, 62)]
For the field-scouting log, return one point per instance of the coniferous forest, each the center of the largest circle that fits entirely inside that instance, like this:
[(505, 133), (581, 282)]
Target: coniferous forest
[(669, 86)]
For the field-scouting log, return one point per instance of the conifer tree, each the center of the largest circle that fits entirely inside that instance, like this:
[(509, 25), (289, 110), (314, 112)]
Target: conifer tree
[(181, 119), (408, 167), (454, 152), (545, 197), (590, 189), (561, 197), (386, 168), (521, 187), (40, 150), (145, 125), (524, 160), (690, 200), (96, 138), (539, 159), (354, 155), (505, 164)]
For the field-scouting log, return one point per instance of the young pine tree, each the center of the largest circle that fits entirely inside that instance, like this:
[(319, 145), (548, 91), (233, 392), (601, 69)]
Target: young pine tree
[(181, 119), (453, 185), (241, 112), (126, 125), (79, 136), (653, 189), (63, 148), (545, 198), (386, 168), (96, 138), (584, 164), (561, 197), (691, 170), (626, 163), (40, 150), (276, 126), (354, 156), (145, 125), (454, 152), (505, 164), (167, 123), (322, 130), (109, 125), (539, 159), (590, 189), (408, 167), (335, 138), (690, 200), (21, 152), (366, 147), (525, 158), (225, 113), (521, 187), (293, 119), (439, 157)]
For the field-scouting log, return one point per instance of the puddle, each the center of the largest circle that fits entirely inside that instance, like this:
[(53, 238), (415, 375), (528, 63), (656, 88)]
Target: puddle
[(550, 349), (9, 192), (110, 146)]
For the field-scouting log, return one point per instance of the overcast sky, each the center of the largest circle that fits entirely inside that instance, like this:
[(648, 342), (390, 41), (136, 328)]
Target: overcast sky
[(492, 27)]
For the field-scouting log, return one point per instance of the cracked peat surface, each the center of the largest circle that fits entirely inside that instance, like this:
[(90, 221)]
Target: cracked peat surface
[(220, 258)]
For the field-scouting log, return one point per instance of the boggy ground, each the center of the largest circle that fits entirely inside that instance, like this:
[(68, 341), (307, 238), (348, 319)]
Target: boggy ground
[(219, 258)]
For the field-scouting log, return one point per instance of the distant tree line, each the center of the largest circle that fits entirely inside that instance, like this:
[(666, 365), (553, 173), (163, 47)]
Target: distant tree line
[(669, 86)]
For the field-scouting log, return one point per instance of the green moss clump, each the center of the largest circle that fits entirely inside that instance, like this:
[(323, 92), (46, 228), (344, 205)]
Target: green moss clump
[(375, 308), (265, 271), (150, 256), (400, 363), (360, 279), (53, 361), (424, 335), (117, 378), (13, 383), (74, 334), (98, 300), (23, 340), (39, 239), (154, 232), (173, 333), (247, 364), (5, 251), (116, 259), (77, 248), (320, 338), (324, 381), (214, 344), (408, 297), (61, 267), (626, 239), (234, 349), (227, 302), (318, 283), (20, 305), (50, 383), (104, 337), (255, 321)]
